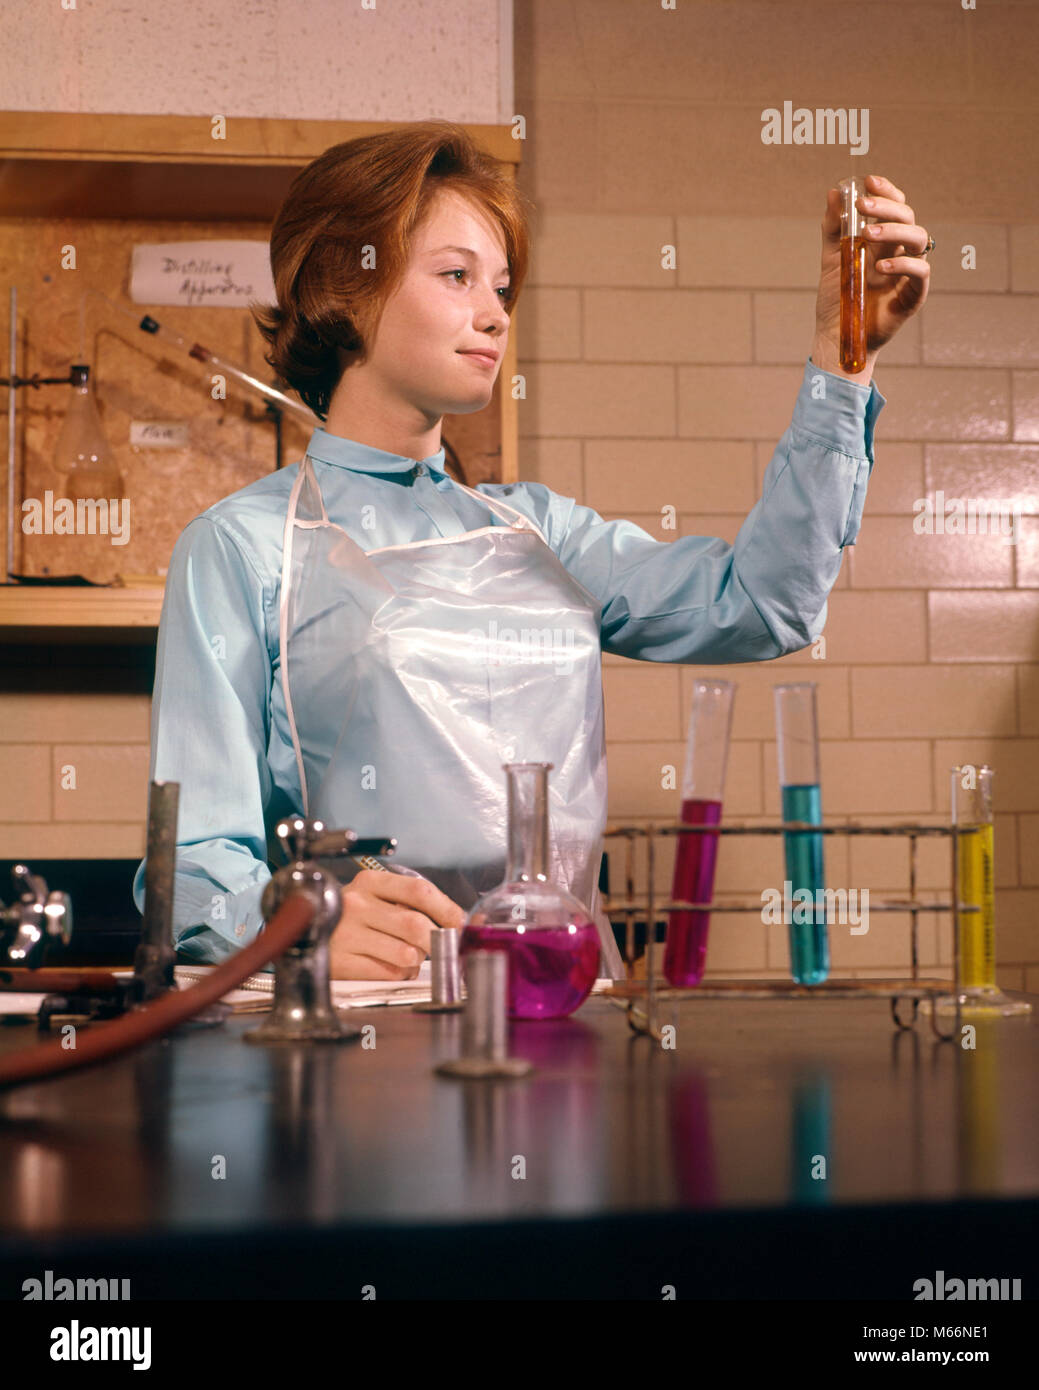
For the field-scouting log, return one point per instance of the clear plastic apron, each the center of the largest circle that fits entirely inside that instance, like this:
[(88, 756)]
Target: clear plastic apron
[(412, 673)]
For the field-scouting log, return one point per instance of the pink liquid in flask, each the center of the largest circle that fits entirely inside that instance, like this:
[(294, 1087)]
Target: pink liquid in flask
[(551, 969), (686, 952)]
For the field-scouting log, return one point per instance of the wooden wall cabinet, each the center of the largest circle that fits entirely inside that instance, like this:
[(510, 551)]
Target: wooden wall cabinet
[(101, 177)]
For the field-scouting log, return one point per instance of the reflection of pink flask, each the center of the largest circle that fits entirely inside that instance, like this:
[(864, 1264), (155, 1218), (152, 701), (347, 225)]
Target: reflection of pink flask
[(703, 789)]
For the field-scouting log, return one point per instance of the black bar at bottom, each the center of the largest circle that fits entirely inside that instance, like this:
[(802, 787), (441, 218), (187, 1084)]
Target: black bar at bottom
[(846, 1253)]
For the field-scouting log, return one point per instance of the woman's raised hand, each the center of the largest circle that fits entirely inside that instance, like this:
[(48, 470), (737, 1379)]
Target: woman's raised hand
[(897, 276)]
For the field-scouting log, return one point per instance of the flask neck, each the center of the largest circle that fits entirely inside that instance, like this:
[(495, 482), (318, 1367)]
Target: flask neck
[(527, 788)]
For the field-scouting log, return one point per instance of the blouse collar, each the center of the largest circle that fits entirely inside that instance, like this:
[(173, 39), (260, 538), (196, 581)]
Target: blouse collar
[(348, 453)]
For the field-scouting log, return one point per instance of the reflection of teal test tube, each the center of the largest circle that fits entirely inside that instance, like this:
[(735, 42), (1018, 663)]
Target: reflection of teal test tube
[(813, 1137), (797, 747)]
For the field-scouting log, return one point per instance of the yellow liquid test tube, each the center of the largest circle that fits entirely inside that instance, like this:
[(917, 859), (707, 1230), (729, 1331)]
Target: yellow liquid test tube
[(978, 929), (979, 995)]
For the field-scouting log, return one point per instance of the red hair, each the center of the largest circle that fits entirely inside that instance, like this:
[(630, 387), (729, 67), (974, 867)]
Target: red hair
[(369, 193)]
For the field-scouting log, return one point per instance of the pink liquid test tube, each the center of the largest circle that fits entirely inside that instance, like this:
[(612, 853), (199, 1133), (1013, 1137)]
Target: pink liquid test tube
[(703, 791)]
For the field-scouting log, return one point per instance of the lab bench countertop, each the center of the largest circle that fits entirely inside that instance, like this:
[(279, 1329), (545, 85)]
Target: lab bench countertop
[(785, 1148)]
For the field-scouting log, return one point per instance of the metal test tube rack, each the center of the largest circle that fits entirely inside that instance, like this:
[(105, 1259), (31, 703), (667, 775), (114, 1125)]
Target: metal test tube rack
[(640, 997)]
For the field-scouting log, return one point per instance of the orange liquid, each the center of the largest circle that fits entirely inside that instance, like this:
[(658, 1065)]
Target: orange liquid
[(853, 304)]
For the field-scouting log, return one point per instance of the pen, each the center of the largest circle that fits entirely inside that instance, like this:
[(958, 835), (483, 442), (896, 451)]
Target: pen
[(366, 861)]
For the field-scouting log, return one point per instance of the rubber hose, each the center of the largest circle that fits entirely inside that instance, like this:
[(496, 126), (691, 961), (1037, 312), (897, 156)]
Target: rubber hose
[(101, 1041), (55, 979)]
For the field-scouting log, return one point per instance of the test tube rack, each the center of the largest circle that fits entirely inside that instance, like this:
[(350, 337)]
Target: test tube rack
[(640, 997)]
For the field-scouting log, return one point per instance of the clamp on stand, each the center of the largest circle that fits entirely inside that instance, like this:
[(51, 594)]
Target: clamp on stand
[(97, 994)]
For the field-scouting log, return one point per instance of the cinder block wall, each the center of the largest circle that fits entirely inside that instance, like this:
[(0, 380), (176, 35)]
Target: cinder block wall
[(653, 388)]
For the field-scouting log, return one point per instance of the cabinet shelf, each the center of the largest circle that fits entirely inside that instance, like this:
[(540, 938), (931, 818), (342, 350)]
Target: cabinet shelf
[(37, 613), (54, 164)]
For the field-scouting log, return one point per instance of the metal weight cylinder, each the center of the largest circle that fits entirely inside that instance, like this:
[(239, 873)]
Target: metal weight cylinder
[(445, 972), (445, 969), (483, 1024)]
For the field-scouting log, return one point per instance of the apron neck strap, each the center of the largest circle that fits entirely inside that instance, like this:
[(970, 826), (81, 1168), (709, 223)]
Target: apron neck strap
[(306, 503), (518, 521)]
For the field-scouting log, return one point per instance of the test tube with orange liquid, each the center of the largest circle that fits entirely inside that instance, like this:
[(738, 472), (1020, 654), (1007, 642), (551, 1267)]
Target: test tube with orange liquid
[(853, 276)]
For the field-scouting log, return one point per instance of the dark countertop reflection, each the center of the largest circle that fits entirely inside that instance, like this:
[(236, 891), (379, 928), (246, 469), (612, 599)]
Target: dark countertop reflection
[(766, 1105)]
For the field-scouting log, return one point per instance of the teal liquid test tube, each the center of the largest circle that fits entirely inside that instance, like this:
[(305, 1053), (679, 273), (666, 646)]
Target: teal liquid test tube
[(797, 749)]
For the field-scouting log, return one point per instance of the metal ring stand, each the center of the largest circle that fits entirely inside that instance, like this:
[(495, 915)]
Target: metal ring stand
[(639, 997)]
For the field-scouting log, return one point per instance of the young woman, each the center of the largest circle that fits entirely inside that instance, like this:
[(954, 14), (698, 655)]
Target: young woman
[(361, 638)]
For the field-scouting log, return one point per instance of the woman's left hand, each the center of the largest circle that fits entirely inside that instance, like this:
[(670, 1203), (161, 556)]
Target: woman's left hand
[(897, 276)]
